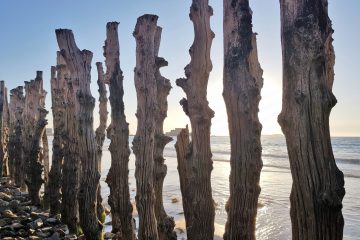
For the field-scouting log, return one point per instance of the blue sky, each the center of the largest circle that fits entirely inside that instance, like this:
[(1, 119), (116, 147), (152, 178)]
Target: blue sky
[(28, 43)]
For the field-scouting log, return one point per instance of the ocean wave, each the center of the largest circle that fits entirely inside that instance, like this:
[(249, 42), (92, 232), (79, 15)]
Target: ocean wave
[(338, 160), (348, 160), (342, 160)]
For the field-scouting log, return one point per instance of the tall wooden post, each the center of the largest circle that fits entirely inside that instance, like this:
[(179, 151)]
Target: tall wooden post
[(80, 121), (308, 75), (100, 131), (194, 158), (45, 157), (4, 131), (118, 133), (242, 85), (165, 223), (143, 143), (58, 100), (34, 123), (16, 107)]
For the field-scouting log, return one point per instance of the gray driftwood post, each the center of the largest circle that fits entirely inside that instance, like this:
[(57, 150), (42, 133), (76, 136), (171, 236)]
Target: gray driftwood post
[(118, 133), (100, 133), (165, 223), (67, 146), (194, 158), (242, 85), (58, 99), (4, 131), (143, 143), (17, 103), (81, 133), (34, 119), (11, 147), (44, 156), (308, 75)]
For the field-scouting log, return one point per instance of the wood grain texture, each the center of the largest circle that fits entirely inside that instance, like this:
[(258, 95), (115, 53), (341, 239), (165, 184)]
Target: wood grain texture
[(80, 119), (196, 175), (308, 75), (165, 223), (16, 107), (144, 140), (242, 85), (4, 131), (118, 133), (44, 157), (100, 130), (59, 87), (34, 123)]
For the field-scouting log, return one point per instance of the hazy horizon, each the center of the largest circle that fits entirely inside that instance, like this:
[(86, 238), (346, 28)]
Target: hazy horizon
[(28, 44)]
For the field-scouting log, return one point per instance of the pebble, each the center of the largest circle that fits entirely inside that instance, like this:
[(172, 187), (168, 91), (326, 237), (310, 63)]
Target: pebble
[(4, 196), (52, 220), (9, 214), (3, 203), (21, 220), (109, 235), (15, 226)]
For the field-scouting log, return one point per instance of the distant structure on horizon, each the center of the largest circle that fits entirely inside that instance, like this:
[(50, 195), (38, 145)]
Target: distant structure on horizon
[(174, 132)]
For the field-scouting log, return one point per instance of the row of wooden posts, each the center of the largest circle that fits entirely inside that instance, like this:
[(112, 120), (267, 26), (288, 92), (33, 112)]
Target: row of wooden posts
[(72, 185)]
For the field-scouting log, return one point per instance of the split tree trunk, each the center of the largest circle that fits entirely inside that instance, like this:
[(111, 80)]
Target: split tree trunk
[(34, 119), (81, 130), (242, 85), (17, 103), (165, 223), (100, 132), (118, 133), (195, 164), (143, 143), (4, 131), (58, 99), (308, 75)]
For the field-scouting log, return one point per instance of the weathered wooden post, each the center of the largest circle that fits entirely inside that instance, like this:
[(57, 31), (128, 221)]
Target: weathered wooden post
[(82, 143), (194, 158), (16, 107), (118, 133), (44, 157), (34, 123), (68, 147), (100, 133), (4, 131), (242, 85), (165, 223), (143, 143), (58, 100), (308, 75)]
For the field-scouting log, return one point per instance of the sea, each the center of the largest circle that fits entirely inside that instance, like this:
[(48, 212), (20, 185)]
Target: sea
[(273, 218)]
